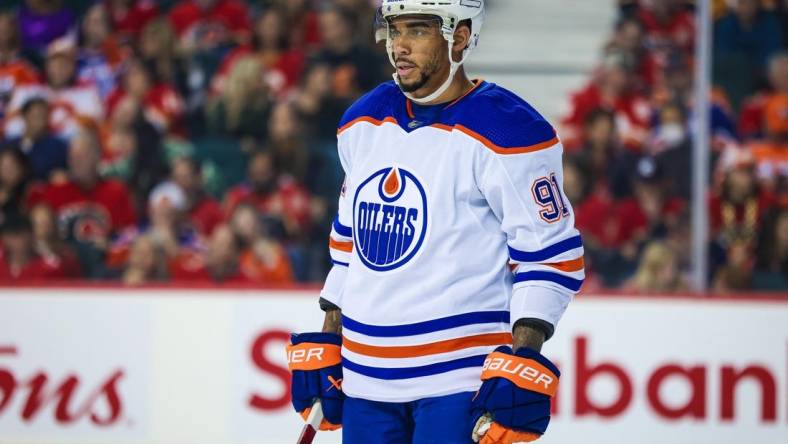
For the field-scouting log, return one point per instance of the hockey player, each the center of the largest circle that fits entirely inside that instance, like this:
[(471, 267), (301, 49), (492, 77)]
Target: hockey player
[(455, 252)]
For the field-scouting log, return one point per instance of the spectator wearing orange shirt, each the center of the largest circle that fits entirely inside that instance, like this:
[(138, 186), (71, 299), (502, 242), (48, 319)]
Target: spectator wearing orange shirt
[(15, 71), (752, 119), (262, 259), (771, 154), (356, 68)]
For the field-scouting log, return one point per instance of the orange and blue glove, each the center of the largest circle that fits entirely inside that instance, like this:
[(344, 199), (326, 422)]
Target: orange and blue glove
[(513, 403), (316, 365)]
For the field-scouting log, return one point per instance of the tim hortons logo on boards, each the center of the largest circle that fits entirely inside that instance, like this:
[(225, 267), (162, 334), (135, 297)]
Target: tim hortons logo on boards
[(66, 397), (584, 373)]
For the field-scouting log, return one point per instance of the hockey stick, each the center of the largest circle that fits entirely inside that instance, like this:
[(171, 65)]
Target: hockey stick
[(312, 424)]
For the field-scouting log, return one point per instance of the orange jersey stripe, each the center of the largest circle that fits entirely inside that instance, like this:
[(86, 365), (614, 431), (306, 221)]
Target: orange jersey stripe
[(569, 266), (409, 109), (341, 246), (366, 119), (496, 148), (412, 351)]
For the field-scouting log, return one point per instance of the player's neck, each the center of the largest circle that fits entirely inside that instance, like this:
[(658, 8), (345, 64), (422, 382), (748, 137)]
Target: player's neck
[(460, 85)]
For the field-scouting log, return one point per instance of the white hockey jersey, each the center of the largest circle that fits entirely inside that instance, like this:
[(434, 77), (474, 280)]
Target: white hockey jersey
[(452, 226)]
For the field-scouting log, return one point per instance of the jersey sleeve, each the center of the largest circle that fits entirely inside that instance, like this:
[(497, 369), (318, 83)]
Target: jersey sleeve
[(340, 242), (524, 190)]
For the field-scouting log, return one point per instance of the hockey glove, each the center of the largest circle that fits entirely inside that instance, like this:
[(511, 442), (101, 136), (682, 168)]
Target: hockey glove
[(315, 362), (513, 403)]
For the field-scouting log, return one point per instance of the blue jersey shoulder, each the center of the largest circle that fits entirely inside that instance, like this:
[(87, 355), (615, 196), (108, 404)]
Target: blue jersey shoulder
[(377, 104), (501, 117)]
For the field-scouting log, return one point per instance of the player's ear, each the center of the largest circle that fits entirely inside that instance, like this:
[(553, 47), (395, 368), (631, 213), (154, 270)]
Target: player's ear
[(462, 36)]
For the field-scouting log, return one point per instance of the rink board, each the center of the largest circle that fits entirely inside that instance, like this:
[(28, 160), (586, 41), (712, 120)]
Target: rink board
[(156, 366)]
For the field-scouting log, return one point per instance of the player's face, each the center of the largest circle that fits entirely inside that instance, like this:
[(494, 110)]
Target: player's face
[(420, 53)]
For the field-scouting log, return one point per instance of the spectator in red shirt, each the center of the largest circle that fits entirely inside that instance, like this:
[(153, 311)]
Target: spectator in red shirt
[(161, 104), (612, 88), (90, 209), (15, 71), (208, 24), (204, 212), (271, 45), (628, 38), (276, 196), (18, 259), (303, 24), (736, 210), (668, 23), (128, 17)]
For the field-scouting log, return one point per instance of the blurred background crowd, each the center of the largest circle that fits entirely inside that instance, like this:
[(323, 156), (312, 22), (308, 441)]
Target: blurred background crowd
[(627, 134), (195, 141)]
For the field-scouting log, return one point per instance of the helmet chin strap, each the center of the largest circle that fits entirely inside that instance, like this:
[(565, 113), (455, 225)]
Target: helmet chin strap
[(454, 66)]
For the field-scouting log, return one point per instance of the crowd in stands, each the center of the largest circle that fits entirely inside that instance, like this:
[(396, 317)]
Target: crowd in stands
[(628, 142), (194, 141), (175, 141)]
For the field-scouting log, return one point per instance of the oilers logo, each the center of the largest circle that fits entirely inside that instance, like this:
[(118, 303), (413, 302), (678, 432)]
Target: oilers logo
[(390, 217)]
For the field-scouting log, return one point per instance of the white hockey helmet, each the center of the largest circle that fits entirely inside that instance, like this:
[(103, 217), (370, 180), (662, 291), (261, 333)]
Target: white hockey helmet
[(450, 13)]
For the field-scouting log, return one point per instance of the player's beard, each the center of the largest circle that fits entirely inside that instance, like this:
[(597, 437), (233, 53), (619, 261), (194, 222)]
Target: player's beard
[(425, 74)]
